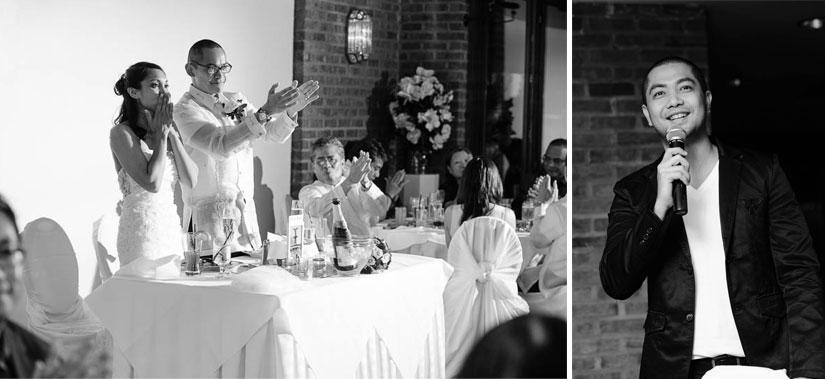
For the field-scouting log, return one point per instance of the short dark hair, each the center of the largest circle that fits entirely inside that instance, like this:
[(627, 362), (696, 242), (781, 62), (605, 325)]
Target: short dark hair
[(196, 51), (694, 69), (5, 209), (324, 141), (369, 145), (560, 142), (480, 186)]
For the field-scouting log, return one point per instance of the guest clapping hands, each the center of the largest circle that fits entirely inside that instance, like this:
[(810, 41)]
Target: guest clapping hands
[(360, 198)]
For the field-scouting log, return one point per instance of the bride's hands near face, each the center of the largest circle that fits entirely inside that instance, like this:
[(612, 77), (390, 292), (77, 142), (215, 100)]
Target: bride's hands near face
[(160, 124)]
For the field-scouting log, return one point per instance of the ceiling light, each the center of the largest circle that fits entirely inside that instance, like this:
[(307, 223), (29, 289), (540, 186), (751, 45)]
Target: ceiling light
[(812, 23)]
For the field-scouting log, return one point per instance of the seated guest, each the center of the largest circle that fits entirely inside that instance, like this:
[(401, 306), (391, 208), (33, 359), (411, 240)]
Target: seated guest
[(479, 194), (21, 350), (360, 198), (544, 278), (378, 156), (553, 170), (456, 163), (529, 346)]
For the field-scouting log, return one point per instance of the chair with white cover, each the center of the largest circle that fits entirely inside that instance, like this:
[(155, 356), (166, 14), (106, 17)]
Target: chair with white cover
[(55, 311), (481, 293), (104, 240)]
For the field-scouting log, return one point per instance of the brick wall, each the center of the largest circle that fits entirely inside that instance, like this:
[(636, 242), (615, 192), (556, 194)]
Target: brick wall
[(354, 97), (433, 36), (343, 109), (613, 45)]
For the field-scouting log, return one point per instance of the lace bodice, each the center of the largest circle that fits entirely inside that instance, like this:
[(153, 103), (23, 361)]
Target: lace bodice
[(128, 186), (149, 223)]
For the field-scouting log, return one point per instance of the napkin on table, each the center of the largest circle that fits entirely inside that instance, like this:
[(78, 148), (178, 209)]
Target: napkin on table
[(167, 267)]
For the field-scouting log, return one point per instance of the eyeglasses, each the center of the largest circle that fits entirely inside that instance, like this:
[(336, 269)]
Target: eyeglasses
[(556, 161), (6, 254), (331, 161), (212, 69)]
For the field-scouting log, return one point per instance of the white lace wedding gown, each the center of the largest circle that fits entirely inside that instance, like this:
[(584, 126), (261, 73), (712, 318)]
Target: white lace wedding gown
[(149, 222)]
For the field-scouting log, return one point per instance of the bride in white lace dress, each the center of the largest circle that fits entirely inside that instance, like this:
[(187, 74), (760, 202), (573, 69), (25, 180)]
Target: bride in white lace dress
[(149, 159)]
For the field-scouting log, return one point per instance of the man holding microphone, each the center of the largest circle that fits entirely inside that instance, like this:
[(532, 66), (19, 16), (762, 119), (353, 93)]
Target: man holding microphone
[(732, 281)]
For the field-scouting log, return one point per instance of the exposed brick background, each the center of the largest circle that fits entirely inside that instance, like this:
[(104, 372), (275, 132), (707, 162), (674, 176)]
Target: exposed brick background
[(613, 45), (354, 97)]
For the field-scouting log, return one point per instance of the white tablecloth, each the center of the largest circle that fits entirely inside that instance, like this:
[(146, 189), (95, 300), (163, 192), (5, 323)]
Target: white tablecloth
[(386, 325)]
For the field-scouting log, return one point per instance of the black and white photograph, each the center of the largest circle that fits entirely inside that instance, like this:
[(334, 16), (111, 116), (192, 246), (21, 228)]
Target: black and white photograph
[(698, 216), (285, 189)]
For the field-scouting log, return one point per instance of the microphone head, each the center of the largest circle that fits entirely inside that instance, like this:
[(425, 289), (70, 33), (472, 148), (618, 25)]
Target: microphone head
[(676, 134)]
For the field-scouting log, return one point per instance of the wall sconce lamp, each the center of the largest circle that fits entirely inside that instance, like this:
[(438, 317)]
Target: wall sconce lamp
[(359, 35)]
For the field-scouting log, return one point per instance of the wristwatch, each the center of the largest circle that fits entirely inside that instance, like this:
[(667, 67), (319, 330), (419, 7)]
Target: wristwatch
[(262, 116)]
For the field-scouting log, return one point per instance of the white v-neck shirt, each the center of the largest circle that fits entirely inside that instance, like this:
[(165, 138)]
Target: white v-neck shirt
[(715, 329)]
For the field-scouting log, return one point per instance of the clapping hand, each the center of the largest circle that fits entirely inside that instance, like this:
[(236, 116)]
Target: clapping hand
[(396, 183), (544, 190), (160, 125), (358, 172), (277, 102), (306, 95)]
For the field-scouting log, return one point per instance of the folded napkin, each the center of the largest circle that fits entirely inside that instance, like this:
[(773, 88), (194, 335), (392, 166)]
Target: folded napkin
[(167, 267), (266, 280), (752, 372)]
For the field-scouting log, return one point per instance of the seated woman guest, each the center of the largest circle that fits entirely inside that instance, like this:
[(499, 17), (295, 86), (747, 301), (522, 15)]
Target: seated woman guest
[(149, 158), (21, 350), (456, 163), (479, 194)]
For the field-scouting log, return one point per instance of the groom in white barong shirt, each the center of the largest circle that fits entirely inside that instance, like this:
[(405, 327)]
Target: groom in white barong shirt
[(360, 198), (218, 129)]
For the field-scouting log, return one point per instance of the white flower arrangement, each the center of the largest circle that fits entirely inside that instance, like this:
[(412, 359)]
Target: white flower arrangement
[(422, 109)]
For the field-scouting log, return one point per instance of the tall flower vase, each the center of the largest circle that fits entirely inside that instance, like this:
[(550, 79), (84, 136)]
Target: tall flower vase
[(419, 161)]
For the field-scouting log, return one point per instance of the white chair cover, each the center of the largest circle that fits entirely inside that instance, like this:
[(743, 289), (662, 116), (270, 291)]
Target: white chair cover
[(104, 240), (481, 293), (55, 311)]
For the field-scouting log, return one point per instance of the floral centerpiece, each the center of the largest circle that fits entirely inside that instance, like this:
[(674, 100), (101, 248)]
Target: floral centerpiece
[(380, 259), (421, 111)]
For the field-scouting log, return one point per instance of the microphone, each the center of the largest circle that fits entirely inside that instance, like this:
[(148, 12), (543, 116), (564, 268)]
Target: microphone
[(676, 138)]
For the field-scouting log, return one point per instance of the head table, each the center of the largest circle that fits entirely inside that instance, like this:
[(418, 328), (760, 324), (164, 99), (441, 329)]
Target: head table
[(389, 324)]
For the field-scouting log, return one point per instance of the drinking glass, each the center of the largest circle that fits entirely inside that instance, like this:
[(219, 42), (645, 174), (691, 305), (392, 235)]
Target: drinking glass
[(190, 254), (528, 209), (221, 258), (229, 216), (414, 202), (297, 208), (400, 216), (436, 204)]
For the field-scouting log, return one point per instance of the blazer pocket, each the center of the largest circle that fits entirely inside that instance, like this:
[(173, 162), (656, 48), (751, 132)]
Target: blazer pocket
[(655, 322), (772, 305)]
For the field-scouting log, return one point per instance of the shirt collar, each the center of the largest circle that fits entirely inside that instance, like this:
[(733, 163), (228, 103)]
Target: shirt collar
[(204, 98)]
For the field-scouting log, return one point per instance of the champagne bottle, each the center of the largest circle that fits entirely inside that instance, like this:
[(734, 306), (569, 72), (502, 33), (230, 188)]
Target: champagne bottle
[(344, 259)]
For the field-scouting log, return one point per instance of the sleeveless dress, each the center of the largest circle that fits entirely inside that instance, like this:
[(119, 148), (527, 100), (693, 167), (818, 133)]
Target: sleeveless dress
[(149, 222)]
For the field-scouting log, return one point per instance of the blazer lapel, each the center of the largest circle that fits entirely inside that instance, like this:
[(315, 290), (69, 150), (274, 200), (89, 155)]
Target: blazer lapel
[(730, 168)]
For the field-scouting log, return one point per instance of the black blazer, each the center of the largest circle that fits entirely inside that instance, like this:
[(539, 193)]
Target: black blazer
[(773, 273)]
